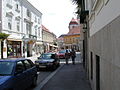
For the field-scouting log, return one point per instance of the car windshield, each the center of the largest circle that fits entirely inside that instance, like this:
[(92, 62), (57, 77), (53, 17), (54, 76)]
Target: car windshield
[(6, 67), (46, 56)]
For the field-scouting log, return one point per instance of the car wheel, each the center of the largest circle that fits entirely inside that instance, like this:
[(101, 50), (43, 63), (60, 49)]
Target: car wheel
[(54, 67), (58, 64), (34, 82)]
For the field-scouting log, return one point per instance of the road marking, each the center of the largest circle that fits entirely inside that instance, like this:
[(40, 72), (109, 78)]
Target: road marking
[(39, 87)]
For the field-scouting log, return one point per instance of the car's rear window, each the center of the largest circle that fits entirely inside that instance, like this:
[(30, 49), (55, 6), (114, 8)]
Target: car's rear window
[(6, 67), (46, 56), (62, 51)]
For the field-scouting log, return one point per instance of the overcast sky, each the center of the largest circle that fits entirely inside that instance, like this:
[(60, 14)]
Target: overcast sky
[(56, 14)]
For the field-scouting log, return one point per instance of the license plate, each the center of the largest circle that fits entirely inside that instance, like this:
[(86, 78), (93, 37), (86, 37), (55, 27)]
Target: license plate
[(42, 66)]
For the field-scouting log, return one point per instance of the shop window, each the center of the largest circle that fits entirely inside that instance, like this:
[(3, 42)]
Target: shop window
[(14, 49)]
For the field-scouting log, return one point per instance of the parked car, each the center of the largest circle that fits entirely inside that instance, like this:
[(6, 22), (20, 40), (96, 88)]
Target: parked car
[(49, 61), (61, 53), (17, 74)]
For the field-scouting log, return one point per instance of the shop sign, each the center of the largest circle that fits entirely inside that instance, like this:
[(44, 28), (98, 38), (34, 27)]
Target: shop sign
[(4, 49)]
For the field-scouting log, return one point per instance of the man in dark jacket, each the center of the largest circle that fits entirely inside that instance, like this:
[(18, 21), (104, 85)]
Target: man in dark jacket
[(73, 56)]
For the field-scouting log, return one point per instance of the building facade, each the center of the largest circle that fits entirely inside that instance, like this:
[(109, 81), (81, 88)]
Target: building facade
[(60, 41), (49, 40), (104, 44), (22, 22), (72, 38)]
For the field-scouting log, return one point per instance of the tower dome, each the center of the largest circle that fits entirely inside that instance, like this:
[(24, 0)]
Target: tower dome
[(73, 21)]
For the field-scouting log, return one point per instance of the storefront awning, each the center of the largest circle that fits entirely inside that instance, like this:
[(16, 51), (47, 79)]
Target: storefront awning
[(13, 39), (39, 43), (53, 45)]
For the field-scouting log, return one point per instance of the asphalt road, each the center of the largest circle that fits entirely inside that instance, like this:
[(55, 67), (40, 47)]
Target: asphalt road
[(45, 76)]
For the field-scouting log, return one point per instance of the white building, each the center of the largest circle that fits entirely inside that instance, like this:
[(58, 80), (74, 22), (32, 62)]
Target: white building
[(104, 44), (22, 22)]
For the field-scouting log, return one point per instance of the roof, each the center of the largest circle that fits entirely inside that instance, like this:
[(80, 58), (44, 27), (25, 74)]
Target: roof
[(47, 30), (44, 28), (73, 21)]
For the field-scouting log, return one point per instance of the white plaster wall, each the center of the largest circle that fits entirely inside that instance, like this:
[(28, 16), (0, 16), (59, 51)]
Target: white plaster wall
[(108, 13)]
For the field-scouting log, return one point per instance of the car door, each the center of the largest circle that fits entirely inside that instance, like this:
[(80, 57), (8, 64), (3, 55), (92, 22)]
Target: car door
[(29, 72), (20, 76)]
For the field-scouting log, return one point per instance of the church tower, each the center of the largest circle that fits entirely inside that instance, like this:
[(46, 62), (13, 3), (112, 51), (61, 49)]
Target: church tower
[(74, 26)]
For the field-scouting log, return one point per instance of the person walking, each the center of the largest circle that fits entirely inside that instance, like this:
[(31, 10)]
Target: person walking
[(73, 56), (67, 56)]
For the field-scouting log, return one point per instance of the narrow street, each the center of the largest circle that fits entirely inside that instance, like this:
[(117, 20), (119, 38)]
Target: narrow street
[(66, 77)]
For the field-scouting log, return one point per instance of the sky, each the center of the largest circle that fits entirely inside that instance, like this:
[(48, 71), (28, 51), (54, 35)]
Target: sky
[(56, 14)]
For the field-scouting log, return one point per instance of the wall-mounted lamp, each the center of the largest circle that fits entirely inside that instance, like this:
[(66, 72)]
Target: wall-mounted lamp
[(85, 25)]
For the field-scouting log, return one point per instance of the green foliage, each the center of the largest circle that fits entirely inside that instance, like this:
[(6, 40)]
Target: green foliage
[(3, 36), (79, 5), (77, 2)]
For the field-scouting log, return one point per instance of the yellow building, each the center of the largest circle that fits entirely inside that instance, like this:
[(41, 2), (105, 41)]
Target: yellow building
[(72, 38)]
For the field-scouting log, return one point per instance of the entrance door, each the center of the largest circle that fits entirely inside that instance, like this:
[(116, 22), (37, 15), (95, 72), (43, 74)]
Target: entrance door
[(97, 72)]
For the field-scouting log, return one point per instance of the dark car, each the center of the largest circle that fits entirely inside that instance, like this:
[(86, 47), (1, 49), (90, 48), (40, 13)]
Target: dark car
[(49, 61), (17, 74)]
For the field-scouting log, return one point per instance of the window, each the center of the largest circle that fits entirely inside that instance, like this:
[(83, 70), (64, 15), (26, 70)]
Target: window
[(9, 1), (39, 31), (9, 26), (18, 26), (38, 20), (9, 23), (35, 31), (28, 13), (17, 7), (35, 19), (27, 64), (20, 66), (31, 63), (6, 67), (28, 28)]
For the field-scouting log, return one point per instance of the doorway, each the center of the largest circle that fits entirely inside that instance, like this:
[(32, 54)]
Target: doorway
[(97, 72)]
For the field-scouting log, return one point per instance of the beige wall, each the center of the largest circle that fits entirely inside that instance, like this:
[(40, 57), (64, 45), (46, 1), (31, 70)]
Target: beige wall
[(106, 44), (48, 37)]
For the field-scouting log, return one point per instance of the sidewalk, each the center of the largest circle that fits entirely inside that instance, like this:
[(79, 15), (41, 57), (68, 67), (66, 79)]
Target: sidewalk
[(69, 77)]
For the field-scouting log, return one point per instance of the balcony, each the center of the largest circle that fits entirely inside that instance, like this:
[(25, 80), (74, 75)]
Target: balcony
[(32, 37)]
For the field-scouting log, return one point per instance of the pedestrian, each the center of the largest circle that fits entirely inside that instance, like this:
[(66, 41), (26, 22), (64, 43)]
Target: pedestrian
[(73, 56), (67, 56)]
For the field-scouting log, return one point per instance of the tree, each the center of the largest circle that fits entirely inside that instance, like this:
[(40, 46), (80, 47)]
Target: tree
[(79, 5), (3, 36)]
